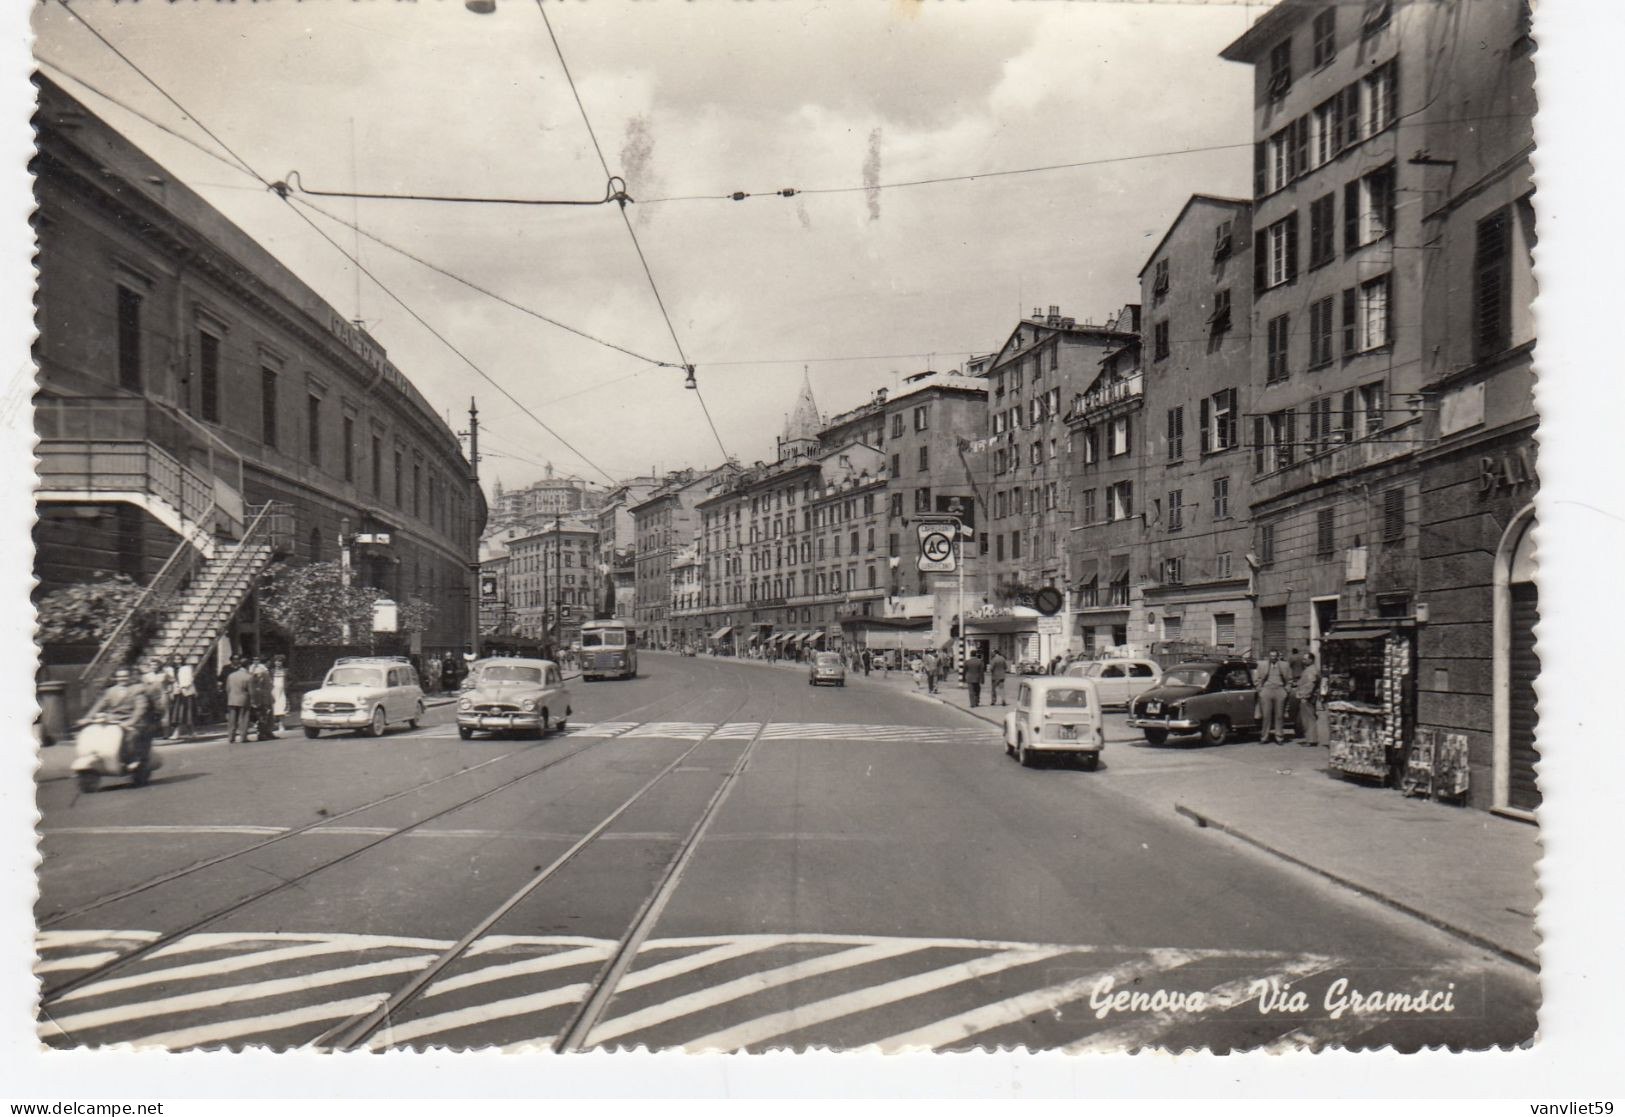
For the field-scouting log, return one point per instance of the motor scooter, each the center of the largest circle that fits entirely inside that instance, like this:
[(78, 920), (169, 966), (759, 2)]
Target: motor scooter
[(97, 748)]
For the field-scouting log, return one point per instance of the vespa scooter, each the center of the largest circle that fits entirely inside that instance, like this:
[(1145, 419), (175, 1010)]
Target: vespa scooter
[(98, 747)]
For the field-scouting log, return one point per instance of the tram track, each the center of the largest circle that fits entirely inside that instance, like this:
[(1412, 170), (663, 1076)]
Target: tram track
[(126, 958)]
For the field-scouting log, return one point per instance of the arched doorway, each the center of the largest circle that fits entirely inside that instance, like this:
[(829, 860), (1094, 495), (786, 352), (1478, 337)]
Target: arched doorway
[(1516, 666)]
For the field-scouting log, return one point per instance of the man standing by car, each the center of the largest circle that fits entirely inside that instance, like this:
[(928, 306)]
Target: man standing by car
[(238, 693), (996, 672), (1273, 681), (973, 679), (1307, 690)]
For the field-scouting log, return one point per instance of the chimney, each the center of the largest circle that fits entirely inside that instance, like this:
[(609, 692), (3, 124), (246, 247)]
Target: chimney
[(1054, 312)]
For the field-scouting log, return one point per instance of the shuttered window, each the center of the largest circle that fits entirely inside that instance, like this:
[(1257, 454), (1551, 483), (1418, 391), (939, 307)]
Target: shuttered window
[(129, 339), (1325, 534), (1492, 286), (1320, 332), (1322, 230), (1176, 433), (1224, 630), (1393, 516), (1279, 333), (208, 377)]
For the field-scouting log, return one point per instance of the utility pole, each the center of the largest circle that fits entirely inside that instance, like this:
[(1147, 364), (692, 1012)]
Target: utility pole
[(558, 582), (344, 573), (474, 527)]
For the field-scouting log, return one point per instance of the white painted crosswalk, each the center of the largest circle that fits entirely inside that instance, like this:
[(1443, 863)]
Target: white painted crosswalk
[(771, 731), (715, 992)]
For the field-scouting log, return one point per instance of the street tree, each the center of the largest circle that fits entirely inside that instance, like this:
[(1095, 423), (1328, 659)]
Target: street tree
[(88, 612), (312, 604)]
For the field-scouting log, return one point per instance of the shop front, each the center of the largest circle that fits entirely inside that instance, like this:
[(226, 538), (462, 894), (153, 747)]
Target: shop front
[(1368, 680), (1016, 632)]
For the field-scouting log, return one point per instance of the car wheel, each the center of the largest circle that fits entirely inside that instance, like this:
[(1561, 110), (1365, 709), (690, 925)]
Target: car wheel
[(1156, 736), (1216, 731), (375, 727), (1090, 761), (417, 718), (312, 732), (546, 725), (1009, 749), (1026, 756), (89, 779), (465, 733)]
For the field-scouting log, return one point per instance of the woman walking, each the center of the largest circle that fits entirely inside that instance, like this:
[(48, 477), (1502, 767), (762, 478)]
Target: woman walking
[(279, 690)]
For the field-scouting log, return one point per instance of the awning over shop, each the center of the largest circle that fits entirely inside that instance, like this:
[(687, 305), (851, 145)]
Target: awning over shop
[(721, 632), (988, 625), (1358, 634), (908, 640), (794, 638)]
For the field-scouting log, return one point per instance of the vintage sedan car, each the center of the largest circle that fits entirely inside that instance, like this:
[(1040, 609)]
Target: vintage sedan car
[(1216, 698), (366, 694), (826, 667), (1055, 714), (509, 694), (1119, 681)]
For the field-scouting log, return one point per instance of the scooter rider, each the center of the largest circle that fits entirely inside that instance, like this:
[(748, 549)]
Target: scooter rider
[(125, 703)]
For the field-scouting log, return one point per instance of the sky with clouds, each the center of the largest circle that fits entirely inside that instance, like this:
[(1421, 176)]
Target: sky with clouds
[(702, 97)]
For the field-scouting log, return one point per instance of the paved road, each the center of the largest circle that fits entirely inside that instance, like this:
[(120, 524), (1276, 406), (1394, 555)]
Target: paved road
[(714, 855)]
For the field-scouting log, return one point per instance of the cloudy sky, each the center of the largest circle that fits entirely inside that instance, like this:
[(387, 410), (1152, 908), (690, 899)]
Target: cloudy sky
[(687, 98)]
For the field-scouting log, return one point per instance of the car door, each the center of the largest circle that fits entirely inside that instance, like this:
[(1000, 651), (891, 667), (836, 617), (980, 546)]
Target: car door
[(1024, 702), (1112, 684), (1141, 678), (392, 694), (1240, 696)]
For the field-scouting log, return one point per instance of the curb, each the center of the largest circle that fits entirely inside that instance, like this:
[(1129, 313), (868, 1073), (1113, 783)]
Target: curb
[(1206, 822)]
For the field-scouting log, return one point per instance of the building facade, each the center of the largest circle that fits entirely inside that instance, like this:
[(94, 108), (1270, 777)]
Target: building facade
[(1476, 656), (664, 524), (617, 548), (1335, 418), (931, 422), (210, 380), (553, 581)]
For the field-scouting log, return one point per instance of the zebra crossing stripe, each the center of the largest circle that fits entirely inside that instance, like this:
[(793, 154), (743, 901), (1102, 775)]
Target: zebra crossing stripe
[(75, 962), (1022, 1006), (764, 1028), (219, 1031), (746, 986), (205, 969), (527, 966), (213, 998), (216, 940), (736, 731), (603, 729), (56, 940), (478, 1014), (678, 730)]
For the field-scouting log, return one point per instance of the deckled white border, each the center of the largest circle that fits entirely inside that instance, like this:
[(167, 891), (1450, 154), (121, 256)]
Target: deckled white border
[(1581, 316)]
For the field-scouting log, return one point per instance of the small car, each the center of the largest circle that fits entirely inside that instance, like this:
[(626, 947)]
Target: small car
[(1120, 681), (366, 694), (1055, 714), (826, 667), (1216, 698), (514, 694)]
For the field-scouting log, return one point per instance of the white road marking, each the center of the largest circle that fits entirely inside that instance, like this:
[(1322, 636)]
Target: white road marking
[(603, 729), (1328, 1032), (780, 1023), (507, 942), (688, 963), (216, 940), (221, 1030), (743, 987), (201, 828), (674, 730), (213, 998), (736, 731), (76, 962), (985, 1018), (1143, 1032), (478, 1014), (562, 960), (55, 940), (205, 969)]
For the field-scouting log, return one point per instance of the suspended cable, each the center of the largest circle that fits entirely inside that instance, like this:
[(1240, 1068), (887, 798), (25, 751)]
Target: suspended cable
[(614, 191)]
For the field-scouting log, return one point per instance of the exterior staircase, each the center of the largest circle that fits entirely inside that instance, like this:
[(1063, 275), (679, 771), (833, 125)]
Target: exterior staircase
[(193, 598)]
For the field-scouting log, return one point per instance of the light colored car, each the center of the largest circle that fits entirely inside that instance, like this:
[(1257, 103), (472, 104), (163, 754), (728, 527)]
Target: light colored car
[(1119, 681), (512, 694), (826, 667), (1055, 714), (364, 693)]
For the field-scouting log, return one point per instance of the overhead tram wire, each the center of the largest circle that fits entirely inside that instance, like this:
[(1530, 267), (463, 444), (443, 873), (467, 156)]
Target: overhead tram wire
[(246, 166), (541, 6)]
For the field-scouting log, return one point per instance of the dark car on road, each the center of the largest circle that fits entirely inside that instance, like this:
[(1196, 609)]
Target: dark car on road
[(1214, 697)]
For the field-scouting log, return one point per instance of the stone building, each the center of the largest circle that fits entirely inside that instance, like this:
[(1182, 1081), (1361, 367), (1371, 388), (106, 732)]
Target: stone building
[(552, 580)]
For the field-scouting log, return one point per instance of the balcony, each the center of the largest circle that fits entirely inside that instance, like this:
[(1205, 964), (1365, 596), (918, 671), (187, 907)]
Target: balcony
[(1398, 441), (1091, 403)]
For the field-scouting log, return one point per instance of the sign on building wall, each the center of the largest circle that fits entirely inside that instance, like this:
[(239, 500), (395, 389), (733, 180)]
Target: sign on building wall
[(937, 548)]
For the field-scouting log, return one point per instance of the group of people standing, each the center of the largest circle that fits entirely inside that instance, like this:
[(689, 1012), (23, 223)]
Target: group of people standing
[(256, 697), (1301, 677)]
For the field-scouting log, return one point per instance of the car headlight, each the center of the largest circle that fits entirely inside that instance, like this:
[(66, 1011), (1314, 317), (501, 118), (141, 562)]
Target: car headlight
[(528, 705), (466, 704)]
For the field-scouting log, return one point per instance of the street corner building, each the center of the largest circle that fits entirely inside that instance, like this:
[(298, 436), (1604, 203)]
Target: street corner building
[(203, 415)]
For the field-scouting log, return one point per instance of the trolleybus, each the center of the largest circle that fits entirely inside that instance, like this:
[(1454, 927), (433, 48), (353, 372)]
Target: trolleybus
[(608, 649)]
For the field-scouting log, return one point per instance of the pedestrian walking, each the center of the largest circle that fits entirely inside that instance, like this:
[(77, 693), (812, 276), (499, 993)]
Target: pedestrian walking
[(237, 690), (974, 672), (1307, 689), (917, 669), (930, 661), (259, 676), (183, 712), (279, 690), (1273, 681), (160, 684), (997, 671)]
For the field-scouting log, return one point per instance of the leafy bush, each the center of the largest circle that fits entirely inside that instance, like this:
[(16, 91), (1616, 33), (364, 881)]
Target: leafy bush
[(88, 612)]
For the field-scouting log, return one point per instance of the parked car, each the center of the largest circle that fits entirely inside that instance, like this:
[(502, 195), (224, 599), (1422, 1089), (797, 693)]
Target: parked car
[(1056, 714), (1216, 698), (1119, 681), (511, 694), (826, 667), (364, 693)]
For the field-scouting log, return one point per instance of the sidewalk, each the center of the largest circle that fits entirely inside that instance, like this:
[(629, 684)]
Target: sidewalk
[(1465, 871)]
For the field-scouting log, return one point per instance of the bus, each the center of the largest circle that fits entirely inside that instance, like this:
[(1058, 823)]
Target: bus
[(608, 649)]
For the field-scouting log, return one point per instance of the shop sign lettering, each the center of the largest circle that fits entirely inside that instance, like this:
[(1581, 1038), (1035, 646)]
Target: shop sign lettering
[(1504, 473)]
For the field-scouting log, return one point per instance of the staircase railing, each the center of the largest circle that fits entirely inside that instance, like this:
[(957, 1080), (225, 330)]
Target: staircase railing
[(172, 577)]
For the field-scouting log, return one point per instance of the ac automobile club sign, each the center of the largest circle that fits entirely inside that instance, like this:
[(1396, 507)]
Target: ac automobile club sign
[(937, 548)]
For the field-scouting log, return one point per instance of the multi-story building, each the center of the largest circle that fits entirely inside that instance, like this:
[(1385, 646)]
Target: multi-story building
[(1335, 418), (552, 581), (211, 382), (1476, 664), (664, 523), (1047, 360), (930, 421), (616, 562), (496, 615), (542, 500), (1159, 499), (687, 616)]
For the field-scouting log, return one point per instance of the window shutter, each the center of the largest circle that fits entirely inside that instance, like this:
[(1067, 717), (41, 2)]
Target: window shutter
[(1289, 436), (1337, 122), (1260, 183), (1300, 146), (1393, 516), (1351, 217), (1227, 431), (1348, 416), (1206, 439), (1128, 435), (1260, 442), (1350, 334), (1261, 253), (1351, 114), (1292, 247)]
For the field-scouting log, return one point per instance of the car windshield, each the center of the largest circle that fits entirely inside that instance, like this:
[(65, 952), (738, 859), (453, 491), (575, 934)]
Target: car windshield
[(1068, 698), (828, 659), (510, 673), (1188, 676), (355, 676), (609, 639)]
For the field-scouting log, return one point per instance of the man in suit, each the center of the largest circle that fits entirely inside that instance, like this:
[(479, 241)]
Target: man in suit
[(996, 673), (1274, 678), (1307, 690), (974, 672), (239, 693)]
